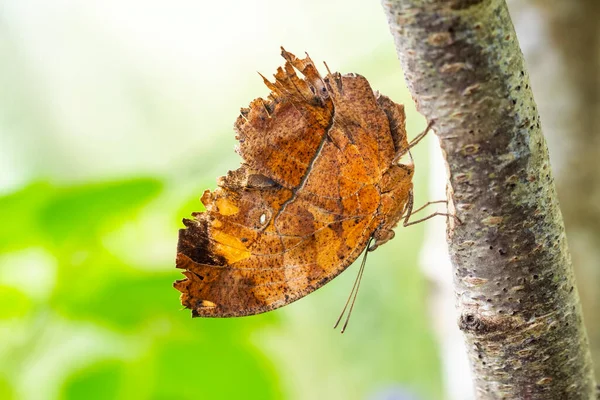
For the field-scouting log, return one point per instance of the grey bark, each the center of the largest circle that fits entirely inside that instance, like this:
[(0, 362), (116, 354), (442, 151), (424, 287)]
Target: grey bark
[(562, 49), (514, 284)]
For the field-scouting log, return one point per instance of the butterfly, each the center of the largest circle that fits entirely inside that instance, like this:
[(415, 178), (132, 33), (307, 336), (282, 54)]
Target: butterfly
[(321, 181)]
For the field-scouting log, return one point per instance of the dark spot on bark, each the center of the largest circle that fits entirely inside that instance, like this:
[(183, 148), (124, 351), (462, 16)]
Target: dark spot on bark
[(535, 276), (502, 252), (464, 4), (244, 240), (473, 323)]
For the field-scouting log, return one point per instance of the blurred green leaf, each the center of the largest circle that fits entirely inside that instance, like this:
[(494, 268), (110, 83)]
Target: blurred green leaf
[(13, 303), (101, 380), (126, 301), (215, 368), (78, 214), (18, 213), (70, 214), (6, 391)]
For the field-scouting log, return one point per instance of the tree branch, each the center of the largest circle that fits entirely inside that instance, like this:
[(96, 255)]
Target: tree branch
[(564, 55), (514, 284)]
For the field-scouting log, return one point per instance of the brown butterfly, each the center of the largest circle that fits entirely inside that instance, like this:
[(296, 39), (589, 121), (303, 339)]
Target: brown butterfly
[(320, 182)]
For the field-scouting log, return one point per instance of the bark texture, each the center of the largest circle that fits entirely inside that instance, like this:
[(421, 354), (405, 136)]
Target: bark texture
[(514, 283), (562, 49)]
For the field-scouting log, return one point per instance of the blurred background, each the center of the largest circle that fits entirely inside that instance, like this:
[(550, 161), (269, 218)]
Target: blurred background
[(115, 116)]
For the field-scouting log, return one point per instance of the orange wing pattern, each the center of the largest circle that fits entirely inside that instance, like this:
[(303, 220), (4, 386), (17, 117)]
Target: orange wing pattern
[(317, 182)]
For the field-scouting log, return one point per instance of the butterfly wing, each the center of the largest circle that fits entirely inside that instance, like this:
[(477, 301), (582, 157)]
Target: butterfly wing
[(304, 203)]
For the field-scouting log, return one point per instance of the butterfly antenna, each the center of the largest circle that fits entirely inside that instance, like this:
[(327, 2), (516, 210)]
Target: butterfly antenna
[(361, 271), (354, 292)]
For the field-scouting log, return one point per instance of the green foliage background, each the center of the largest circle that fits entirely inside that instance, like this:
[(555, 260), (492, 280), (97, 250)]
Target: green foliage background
[(115, 118)]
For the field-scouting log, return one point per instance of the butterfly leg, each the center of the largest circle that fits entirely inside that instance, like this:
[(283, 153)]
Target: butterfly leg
[(413, 143), (409, 211)]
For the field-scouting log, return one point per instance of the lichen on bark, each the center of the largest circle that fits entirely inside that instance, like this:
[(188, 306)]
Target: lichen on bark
[(515, 289)]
